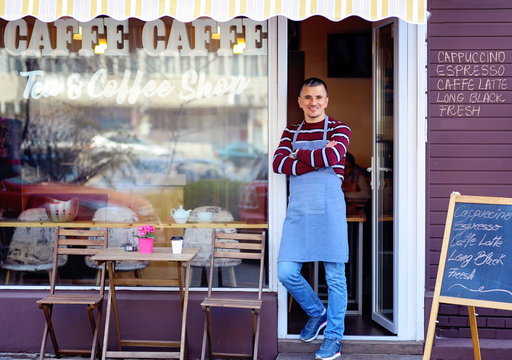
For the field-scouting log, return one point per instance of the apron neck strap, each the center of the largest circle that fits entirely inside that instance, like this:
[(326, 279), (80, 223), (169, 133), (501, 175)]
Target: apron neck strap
[(324, 137), (326, 125)]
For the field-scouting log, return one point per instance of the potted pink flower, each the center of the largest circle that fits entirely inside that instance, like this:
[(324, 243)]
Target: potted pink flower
[(146, 238)]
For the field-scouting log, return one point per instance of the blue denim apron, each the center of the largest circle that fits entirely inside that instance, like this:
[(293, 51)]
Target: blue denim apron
[(315, 227)]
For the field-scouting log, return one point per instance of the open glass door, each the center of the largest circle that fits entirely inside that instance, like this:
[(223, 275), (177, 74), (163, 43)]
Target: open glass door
[(384, 284)]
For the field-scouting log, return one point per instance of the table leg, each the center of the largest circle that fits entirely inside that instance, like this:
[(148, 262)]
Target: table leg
[(184, 314), (112, 289), (107, 321), (179, 268)]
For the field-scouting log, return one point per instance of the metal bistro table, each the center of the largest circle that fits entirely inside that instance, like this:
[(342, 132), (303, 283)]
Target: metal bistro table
[(111, 255)]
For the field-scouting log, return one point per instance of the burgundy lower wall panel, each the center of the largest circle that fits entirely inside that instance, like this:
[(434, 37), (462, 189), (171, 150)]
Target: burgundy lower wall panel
[(151, 315)]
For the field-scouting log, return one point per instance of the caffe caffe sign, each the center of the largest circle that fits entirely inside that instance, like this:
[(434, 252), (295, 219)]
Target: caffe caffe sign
[(68, 37), (158, 38)]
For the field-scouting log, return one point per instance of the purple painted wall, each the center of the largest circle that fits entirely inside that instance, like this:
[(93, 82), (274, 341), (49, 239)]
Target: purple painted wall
[(469, 131), (143, 314)]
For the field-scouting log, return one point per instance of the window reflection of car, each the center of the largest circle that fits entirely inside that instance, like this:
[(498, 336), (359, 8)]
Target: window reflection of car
[(16, 196), (159, 171), (198, 169), (238, 152), (254, 195), (126, 143)]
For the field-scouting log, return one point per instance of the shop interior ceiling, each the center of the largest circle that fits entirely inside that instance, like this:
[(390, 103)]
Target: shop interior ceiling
[(413, 11)]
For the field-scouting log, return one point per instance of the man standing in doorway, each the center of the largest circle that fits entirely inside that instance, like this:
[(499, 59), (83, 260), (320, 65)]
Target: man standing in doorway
[(315, 228)]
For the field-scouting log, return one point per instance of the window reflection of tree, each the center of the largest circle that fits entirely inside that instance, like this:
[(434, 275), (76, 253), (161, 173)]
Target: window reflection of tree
[(56, 136), (55, 147)]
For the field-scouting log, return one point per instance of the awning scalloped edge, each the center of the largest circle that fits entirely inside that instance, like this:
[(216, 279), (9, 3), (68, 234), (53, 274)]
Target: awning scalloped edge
[(413, 11)]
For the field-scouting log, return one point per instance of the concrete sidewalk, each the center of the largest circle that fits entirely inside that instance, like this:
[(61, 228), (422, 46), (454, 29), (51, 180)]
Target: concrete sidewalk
[(288, 356), (296, 356)]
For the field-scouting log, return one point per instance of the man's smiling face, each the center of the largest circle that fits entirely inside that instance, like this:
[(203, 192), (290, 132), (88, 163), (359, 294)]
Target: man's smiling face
[(313, 101)]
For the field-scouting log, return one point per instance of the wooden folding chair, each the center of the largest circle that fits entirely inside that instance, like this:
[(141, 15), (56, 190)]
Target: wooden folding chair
[(234, 246), (75, 242)]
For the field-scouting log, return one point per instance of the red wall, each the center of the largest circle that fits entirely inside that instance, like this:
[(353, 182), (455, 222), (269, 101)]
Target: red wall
[(469, 130)]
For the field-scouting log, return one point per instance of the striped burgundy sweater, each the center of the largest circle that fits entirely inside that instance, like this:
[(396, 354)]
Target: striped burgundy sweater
[(309, 160)]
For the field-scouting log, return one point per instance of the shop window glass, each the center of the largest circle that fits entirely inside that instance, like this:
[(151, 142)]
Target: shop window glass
[(159, 115)]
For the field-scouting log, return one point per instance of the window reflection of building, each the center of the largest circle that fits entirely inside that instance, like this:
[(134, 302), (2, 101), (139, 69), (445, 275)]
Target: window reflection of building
[(151, 127)]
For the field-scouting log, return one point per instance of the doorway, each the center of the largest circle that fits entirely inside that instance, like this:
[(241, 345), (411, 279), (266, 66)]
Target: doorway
[(341, 54)]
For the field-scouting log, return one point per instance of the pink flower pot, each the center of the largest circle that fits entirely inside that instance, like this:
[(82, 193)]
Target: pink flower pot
[(146, 245)]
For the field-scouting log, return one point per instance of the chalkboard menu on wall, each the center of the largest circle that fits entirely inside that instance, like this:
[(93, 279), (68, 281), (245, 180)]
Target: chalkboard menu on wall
[(479, 252), (475, 267)]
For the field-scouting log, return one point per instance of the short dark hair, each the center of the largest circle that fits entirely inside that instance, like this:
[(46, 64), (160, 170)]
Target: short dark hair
[(313, 81)]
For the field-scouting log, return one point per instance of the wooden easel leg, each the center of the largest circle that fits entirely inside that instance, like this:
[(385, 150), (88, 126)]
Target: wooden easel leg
[(474, 333), (429, 341)]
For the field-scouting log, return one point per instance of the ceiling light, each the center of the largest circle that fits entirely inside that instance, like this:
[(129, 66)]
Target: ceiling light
[(100, 48), (239, 47)]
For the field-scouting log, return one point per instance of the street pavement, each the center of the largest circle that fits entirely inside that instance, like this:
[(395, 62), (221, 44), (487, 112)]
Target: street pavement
[(295, 356), (288, 356)]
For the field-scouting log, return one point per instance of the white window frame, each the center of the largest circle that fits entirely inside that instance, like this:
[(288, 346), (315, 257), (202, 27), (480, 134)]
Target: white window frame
[(277, 92)]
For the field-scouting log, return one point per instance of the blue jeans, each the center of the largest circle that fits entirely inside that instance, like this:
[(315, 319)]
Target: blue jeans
[(289, 274)]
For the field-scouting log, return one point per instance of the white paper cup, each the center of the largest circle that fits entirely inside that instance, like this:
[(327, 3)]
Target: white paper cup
[(177, 246)]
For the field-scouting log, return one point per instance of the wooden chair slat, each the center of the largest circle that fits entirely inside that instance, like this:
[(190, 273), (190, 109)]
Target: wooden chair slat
[(73, 300), (237, 303), (151, 343), (82, 232), (142, 355), (239, 236), (237, 255), (81, 242), (236, 245), (72, 297), (78, 251)]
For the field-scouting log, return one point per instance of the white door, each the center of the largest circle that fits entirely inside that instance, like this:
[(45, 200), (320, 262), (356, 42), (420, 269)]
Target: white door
[(383, 175)]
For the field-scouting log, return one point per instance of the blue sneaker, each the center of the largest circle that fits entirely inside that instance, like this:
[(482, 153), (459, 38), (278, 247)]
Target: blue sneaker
[(313, 327), (330, 349)]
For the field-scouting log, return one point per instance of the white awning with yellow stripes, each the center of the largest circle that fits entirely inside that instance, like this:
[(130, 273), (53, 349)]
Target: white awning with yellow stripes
[(413, 11)]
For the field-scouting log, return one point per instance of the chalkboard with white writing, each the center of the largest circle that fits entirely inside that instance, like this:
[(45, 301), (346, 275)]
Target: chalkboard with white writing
[(477, 250)]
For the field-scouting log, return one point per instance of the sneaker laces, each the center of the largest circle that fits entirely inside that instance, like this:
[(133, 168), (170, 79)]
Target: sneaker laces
[(312, 321), (329, 343)]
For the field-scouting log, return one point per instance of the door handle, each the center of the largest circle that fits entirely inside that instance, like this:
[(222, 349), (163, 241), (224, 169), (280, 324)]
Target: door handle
[(372, 177), (381, 169)]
